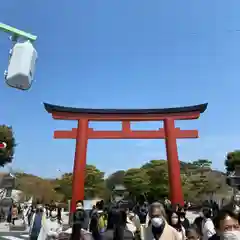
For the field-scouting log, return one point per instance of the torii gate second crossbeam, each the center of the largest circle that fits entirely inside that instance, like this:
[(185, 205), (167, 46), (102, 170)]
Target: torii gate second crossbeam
[(82, 133)]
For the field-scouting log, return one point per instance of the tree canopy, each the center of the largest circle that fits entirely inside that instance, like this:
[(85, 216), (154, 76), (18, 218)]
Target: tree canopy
[(232, 160), (7, 136), (150, 180), (94, 183)]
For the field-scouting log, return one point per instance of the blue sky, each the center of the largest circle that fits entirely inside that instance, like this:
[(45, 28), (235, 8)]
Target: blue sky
[(124, 54)]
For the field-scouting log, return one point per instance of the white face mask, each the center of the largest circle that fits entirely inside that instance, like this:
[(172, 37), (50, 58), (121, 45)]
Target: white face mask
[(157, 221), (174, 221), (54, 214), (182, 219), (231, 235), (79, 206)]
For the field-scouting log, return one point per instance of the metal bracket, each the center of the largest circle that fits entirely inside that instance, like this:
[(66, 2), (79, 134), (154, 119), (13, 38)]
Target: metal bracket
[(16, 33)]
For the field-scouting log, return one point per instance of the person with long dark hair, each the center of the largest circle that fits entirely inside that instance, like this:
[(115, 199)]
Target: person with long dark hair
[(121, 231), (198, 223), (182, 216), (174, 221)]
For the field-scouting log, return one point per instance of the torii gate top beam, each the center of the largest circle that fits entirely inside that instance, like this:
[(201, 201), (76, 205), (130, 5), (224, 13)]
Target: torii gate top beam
[(178, 113)]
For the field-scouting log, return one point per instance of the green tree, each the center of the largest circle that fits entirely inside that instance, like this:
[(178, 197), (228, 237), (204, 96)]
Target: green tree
[(197, 184), (201, 167), (202, 164), (136, 181), (232, 160), (213, 184), (157, 172), (94, 183), (64, 186), (203, 180), (115, 179), (112, 180), (7, 136)]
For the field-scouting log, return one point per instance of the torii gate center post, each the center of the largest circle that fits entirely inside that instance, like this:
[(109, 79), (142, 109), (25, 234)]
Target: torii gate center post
[(169, 132)]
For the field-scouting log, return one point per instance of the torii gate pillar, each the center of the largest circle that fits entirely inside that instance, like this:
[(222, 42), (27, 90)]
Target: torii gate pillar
[(80, 161), (174, 176)]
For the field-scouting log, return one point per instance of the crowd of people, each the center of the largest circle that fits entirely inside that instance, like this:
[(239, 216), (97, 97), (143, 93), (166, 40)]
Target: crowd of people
[(125, 220), (159, 221)]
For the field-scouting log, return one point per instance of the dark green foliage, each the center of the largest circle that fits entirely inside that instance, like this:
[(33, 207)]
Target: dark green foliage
[(7, 136), (232, 160)]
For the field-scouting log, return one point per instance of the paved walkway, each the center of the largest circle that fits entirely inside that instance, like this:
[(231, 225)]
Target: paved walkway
[(14, 236), (14, 233), (4, 227), (18, 227)]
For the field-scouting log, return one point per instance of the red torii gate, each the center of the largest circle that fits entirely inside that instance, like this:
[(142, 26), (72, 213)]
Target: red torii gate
[(82, 133)]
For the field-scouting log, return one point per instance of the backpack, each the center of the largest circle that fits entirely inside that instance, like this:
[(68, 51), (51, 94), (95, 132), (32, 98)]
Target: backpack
[(101, 219), (79, 216)]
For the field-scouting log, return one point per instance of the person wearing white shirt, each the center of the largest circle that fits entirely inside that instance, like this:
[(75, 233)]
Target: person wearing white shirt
[(208, 228), (51, 227)]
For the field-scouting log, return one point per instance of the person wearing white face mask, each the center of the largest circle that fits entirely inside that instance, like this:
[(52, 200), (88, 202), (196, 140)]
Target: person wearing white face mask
[(174, 221), (157, 227), (52, 226), (227, 225), (184, 221)]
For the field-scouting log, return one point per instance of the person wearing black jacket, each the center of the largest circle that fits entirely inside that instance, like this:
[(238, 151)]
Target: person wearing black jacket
[(120, 231), (79, 217), (117, 224)]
